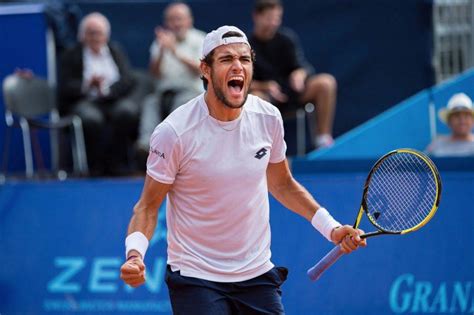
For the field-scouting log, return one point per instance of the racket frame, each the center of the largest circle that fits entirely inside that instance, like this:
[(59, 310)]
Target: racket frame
[(364, 207), (316, 271)]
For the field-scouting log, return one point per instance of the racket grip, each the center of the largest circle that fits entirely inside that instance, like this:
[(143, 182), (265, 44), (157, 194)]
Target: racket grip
[(315, 272)]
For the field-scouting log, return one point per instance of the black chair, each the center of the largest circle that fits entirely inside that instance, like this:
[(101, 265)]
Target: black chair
[(30, 104)]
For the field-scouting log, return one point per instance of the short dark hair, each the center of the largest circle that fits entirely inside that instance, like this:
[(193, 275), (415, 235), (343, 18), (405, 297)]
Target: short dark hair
[(263, 5), (209, 58)]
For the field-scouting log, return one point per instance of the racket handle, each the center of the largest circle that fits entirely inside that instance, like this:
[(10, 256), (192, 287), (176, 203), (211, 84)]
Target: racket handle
[(315, 272)]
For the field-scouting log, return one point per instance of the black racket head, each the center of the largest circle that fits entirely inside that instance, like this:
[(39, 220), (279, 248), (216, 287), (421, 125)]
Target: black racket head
[(402, 191)]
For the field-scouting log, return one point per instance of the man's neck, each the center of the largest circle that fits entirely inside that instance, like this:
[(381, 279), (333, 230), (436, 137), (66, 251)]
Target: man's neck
[(462, 137), (99, 52), (219, 110), (263, 36), (181, 37)]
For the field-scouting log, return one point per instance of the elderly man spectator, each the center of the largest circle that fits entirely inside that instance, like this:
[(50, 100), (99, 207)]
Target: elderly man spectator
[(95, 80), (174, 63)]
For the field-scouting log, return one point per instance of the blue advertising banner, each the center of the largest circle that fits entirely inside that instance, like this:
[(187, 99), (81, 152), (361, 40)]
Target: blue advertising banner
[(66, 245), (63, 245)]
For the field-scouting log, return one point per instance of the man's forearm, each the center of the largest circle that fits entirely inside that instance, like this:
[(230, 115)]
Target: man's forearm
[(296, 198), (144, 221), (155, 65)]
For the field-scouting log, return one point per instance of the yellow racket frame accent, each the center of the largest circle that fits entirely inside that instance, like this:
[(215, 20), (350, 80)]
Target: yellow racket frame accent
[(435, 172)]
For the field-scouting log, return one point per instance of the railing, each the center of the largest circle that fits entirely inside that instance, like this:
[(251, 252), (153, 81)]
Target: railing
[(453, 37)]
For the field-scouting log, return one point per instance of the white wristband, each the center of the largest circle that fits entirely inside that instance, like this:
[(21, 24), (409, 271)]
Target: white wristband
[(136, 241), (324, 223)]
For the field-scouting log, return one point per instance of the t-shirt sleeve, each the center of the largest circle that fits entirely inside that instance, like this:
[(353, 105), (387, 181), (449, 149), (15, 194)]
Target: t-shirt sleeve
[(278, 153), (165, 154)]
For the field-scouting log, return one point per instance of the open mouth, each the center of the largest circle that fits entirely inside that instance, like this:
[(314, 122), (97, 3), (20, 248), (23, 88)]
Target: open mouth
[(235, 84)]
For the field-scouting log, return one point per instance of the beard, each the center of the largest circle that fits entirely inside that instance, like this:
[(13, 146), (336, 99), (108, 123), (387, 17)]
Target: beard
[(221, 97)]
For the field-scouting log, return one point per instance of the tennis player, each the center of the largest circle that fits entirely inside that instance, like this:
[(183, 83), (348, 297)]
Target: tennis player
[(216, 157)]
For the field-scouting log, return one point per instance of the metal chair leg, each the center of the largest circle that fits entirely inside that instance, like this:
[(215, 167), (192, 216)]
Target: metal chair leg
[(6, 152), (75, 153), (25, 129), (300, 132), (80, 146), (54, 143)]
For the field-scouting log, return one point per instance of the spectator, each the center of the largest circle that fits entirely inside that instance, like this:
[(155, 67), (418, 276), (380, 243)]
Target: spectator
[(174, 62), (459, 116), (283, 76), (95, 80)]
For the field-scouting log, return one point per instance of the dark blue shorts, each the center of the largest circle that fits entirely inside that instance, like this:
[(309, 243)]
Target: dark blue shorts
[(260, 295)]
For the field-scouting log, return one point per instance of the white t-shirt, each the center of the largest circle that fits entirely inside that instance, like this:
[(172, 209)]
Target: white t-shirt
[(218, 208), (102, 65), (444, 146)]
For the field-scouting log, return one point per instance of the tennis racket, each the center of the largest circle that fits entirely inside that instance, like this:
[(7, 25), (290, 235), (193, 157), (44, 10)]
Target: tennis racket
[(401, 194)]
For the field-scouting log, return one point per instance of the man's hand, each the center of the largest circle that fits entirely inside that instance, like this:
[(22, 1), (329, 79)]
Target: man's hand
[(133, 272), (24, 73), (166, 39), (96, 82), (297, 78), (348, 237), (274, 90)]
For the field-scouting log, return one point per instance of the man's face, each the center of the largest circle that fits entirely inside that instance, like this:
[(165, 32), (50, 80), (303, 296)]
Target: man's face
[(461, 123), (95, 35), (266, 23), (230, 74), (178, 20)]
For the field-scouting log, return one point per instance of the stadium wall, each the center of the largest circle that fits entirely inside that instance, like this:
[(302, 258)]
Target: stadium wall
[(23, 45), (412, 123)]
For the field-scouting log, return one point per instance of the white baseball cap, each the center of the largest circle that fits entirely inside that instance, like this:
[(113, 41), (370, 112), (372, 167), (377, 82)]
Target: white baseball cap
[(214, 39), (459, 102)]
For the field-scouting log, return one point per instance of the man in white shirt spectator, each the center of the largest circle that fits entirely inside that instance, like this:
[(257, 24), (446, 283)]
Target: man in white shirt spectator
[(174, 63)]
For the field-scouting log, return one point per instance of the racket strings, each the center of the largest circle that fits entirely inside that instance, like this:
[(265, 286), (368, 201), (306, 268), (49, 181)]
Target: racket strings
[(428, 188), (388, 215), (413, 206), (401, 192), (411, 197)]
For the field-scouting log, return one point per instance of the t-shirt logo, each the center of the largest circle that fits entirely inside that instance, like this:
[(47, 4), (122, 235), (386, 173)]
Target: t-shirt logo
[(261, 153), (158, 153)]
